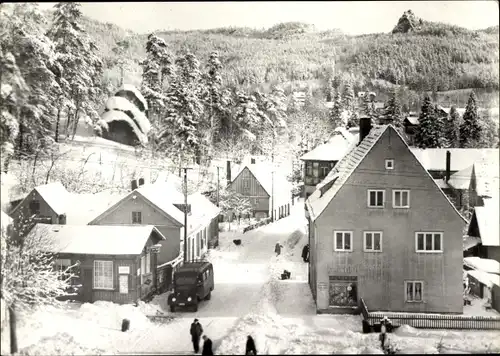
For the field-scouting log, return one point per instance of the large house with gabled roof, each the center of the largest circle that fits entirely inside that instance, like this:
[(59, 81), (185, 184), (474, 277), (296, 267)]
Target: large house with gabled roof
[(162, 205), (381, 229)]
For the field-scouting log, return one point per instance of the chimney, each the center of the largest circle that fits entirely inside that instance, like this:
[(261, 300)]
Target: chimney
[(448, 166), (141, 181), (134, 184), (252, 160), (228, 172), (365, 125)]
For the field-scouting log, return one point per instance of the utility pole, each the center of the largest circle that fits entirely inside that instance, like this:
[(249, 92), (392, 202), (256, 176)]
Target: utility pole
[(272, 177), (185, 214), (218, 186)]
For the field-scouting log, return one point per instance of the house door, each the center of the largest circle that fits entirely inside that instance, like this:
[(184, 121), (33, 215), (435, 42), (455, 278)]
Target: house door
[(343, 291), (87, 285)]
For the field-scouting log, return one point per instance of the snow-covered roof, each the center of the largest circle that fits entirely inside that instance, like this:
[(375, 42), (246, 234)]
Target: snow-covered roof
[(329, 187), (485, 170), (163, 195), (122, 104), (136, 92), (334, 149), (483, 264), (470, 241), (488, 221), (97, 239), (202, 211), (83, 208), (434, 159), (171, 179), (412, 120), (55, 195), (116, 115), (488, 279)]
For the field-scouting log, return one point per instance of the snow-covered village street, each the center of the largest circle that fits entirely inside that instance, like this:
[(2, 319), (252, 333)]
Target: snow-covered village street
[(248, 299)]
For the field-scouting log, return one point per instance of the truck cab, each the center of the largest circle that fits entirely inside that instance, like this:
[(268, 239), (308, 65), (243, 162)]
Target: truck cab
[(193, 282)]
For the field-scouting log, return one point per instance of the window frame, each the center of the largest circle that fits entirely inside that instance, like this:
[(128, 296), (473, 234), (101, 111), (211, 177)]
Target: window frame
[(376, 191), (365, 249), (422, 290), (389, 164), (137, 214), (94, 279), (343, 232), (424, 233), (394, 191)]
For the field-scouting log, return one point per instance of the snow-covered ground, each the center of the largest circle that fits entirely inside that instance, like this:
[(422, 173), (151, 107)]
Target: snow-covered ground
[(248, 299)]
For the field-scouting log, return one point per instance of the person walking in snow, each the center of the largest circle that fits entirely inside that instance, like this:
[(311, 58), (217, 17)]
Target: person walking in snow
[(207, 346), (305, 253), (196, 331), (277, 248), (250, 346), (383, 331)]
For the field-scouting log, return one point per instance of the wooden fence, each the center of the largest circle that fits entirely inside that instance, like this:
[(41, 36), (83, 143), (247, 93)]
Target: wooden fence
[(432, 321)]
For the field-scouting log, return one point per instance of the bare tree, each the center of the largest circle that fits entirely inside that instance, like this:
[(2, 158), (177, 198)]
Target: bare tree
[(28, 274)]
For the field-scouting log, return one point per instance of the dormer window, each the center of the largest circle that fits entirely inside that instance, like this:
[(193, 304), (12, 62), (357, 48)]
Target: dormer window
[(389, 164)]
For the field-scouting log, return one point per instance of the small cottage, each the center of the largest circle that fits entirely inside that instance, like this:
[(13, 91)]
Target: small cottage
[(269, 192), (381, 229), (114, 263), (46, 203)]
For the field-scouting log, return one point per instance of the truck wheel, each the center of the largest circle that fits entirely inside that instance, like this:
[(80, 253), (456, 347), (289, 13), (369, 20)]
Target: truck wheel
[(209, 295), (172, 308)]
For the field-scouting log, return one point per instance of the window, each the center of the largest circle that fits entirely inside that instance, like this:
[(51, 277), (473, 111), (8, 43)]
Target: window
[(103, 275), (343, 240), (62, 264), (400, 198), (256, 201), (316, 169), (429, 241), (324, 169), (414, 291), (309, 169), (136, 217), (389, 164), (246, 183), (373, 241), (34, 207), (376, 198)]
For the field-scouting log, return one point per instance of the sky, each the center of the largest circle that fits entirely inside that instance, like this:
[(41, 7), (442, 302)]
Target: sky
[(352, 17)]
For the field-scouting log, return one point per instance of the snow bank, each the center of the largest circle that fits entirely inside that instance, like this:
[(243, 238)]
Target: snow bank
[(111, 315), (61, 344)]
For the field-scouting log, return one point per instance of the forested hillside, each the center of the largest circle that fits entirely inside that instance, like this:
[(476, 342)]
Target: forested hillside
[(436, 56)]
